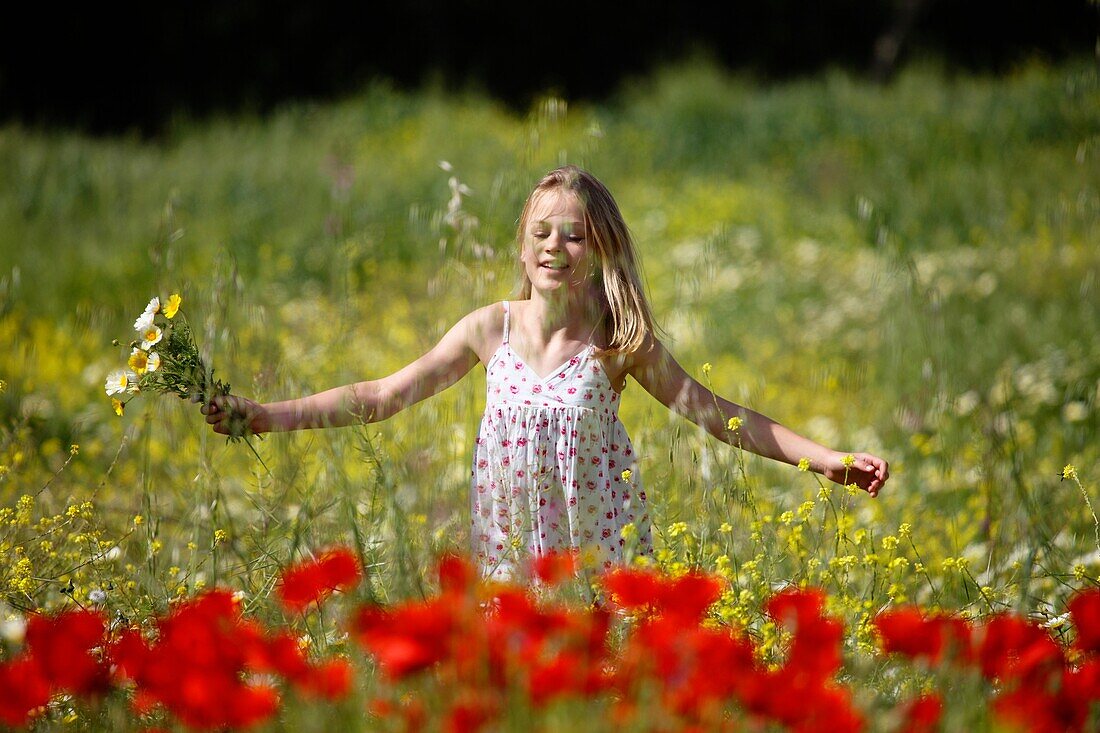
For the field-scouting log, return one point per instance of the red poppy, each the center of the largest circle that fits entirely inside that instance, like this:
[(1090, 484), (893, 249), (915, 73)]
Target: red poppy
[(552, 568), (312, 581), (23, 689), (923, 715), (63, 646), (1085, 609)]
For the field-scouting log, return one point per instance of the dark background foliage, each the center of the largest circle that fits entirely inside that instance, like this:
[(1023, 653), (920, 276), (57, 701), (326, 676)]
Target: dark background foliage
[(107, 69)]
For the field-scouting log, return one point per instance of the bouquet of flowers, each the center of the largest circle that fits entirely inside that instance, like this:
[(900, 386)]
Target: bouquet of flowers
[(164, 359)]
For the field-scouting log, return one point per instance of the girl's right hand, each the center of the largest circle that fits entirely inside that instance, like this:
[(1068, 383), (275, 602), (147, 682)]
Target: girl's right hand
[(236, 416)]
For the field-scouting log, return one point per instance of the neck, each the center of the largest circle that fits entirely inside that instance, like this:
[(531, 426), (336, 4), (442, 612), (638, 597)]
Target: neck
[(577, 315)]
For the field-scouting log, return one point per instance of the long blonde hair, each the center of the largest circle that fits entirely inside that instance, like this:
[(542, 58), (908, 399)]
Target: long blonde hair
[(628, 319)]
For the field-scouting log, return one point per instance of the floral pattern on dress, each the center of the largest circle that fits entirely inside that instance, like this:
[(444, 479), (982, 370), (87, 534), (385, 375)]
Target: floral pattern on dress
[(547, 470)]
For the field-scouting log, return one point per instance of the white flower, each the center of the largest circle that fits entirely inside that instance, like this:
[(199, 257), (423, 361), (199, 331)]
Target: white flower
[(117, 382), (13, 629), (97, 596), (151, 336), (153, 363), (145, 320)]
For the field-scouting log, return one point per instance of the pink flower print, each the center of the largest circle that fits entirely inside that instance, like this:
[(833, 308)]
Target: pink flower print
[(520, 442), (520, 473), (611, 463), (588, 395), (603, 397), (542, 502), (572, 390), (572, 501), (615, 447), (591, 485), (606, 533), (505, 443), (572, 452), (561, 455), (537, 389), (482, 464), (518, 366), (513, 389), (574, 361), (588, 534)]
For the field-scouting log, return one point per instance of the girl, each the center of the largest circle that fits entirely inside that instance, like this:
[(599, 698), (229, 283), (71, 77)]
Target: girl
[(553, 467)]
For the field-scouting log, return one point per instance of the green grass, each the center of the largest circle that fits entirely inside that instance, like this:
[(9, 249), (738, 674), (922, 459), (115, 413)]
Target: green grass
[(909, 269)]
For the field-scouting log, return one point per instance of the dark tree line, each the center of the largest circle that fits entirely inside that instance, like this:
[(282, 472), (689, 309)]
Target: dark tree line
[(111, 68)]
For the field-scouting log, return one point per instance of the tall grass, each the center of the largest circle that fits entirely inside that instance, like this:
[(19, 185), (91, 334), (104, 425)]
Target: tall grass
[(910, 269)]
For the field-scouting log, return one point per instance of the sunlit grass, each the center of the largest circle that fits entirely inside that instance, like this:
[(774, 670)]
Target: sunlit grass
[(909, 269)]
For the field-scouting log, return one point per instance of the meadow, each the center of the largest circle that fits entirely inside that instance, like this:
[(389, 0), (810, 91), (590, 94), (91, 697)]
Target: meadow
[(907, 269)]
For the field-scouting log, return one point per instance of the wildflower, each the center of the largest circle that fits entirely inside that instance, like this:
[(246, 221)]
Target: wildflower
[(725, 528), (706, 368), (172, 306), (905, 529), (313, 580), (626, 475), (803, 464), (889, 542), (848, 460), (117, 406), (151, 336), (3, 386), (74, 449), (97, 595), (1070, 472), (117, 382), (677, 528), (734, 424), (138, 520), (1079, 572), (138, 361), (553, 567), (220, 536), (153, 362)]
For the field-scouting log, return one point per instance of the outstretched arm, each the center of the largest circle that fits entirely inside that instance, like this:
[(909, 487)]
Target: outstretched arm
[(367, 401), (655, 369)]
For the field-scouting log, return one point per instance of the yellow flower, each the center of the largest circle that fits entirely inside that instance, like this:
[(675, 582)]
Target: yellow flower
[(138, 361), (74, 449), (138, 520), (220, 536), (848, 460), (172, 306), (734, 424), (725, 528), (905, 529), (626, 475), (117, 405), (1070, 472), (803, 464), (706, 368)]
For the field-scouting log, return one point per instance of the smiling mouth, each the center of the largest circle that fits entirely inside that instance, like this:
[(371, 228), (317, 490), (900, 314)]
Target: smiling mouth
[(552, 266)]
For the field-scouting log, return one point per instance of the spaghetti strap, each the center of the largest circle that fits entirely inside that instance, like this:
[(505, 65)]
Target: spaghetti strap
[(505, 339)]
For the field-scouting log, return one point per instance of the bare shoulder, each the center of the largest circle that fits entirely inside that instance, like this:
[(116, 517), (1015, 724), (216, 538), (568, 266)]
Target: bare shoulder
[(484, 330), (620, 365)]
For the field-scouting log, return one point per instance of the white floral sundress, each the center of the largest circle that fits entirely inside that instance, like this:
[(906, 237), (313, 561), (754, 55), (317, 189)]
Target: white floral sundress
[(547, 473)]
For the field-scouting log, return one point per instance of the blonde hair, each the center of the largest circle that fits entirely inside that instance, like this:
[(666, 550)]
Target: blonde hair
[(628, 320)]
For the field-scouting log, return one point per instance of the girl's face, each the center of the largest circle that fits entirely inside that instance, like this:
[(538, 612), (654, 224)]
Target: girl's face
[(555, 253)]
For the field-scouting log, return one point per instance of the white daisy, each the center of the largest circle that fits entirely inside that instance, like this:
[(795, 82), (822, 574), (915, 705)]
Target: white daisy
[(145, 320), (151, 336), (117, 382), (153, 362)]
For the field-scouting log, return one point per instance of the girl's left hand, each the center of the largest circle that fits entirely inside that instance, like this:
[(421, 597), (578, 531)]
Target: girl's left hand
[(866, 471)]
